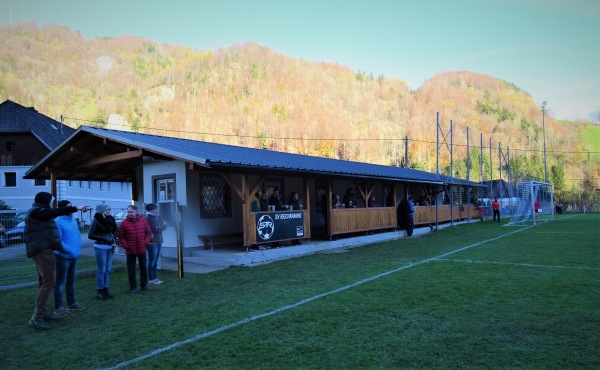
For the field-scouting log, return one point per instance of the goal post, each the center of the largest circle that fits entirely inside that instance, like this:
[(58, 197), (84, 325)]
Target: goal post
[(535, 203)]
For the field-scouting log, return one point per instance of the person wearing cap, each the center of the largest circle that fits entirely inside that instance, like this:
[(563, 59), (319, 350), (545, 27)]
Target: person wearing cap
[(66, 261), (103, 231), (41, 240), (157, 225)]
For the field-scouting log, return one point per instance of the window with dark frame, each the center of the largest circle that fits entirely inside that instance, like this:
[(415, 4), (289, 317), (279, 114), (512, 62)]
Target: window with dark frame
[(10, 147), (165, 196), (10, 179), (215, 197), (39, 182)]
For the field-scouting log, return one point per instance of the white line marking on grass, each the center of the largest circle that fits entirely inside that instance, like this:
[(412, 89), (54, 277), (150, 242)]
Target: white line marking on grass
[(304, 301), (521, 264)]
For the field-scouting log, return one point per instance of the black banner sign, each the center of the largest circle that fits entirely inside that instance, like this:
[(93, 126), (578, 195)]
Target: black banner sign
[(273, 226)]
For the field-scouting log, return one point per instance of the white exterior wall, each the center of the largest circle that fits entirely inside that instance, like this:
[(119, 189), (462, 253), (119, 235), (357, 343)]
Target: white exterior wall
[(21, 197), (153, 168)]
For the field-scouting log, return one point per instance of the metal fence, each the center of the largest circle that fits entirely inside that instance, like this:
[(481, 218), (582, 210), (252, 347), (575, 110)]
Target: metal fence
[(17, 270)]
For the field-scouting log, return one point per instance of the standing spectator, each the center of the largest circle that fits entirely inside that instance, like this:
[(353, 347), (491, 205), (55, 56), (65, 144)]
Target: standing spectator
[(350, 199), (255, 204), (263, 201), (335, 201), (41, 239), (372, 202), (66, 261), (496, 209), (157, 225), (294, 202), (275, 200), (410, 215), (104, 233), (134, 235)]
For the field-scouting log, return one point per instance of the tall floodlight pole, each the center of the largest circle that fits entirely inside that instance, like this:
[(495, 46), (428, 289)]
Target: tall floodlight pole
[(544, 103)]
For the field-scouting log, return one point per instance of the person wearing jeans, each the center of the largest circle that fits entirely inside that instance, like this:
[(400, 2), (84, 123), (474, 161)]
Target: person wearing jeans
[(66, 261), (103, 231), (157, 225), (41, 240)]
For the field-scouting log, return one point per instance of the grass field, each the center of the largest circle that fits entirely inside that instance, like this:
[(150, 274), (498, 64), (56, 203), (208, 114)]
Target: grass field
[(481, 295)]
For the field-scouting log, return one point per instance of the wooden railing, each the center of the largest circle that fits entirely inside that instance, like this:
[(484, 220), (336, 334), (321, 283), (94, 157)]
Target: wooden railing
[(426, 214), (347, 220)]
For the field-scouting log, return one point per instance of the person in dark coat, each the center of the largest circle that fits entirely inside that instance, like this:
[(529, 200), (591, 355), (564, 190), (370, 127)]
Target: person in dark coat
[(103, 231), (157, 225), (134, 235), (41, 240), (275, 200)]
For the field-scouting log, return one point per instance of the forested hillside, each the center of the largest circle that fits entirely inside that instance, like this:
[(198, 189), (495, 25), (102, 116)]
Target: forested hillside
[(249, 95)]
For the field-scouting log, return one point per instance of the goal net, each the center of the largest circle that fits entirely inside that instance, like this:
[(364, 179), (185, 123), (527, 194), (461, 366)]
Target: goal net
[(535, 203)]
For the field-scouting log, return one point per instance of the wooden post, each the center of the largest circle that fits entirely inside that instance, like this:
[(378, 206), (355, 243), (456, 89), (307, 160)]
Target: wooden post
[(53, 187)]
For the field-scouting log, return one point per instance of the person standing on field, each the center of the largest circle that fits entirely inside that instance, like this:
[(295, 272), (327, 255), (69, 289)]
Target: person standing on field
[(41, 240), (66, 261), (157, 225), (410, 215), (134, 235), (103, 232), (496, 209)]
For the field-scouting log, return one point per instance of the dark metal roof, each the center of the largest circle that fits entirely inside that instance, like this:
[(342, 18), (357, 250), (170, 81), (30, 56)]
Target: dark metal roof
[(222, 155), (17, 119), (211, 155), (76, 158)]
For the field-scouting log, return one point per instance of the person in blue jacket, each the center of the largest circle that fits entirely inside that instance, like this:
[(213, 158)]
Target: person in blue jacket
[(66, 261)]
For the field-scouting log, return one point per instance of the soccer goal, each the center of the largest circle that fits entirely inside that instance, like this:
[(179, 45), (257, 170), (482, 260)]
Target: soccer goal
[(535, 203)]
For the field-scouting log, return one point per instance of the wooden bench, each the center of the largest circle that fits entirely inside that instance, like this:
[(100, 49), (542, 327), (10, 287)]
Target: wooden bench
[(221, 238)]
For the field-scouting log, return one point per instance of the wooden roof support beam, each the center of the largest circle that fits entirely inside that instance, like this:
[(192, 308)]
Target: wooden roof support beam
[(232, 185), (112, 158)]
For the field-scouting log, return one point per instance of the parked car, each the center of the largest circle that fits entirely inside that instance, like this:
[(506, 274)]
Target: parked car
[(10, 218), (15, 234), (120, 216)]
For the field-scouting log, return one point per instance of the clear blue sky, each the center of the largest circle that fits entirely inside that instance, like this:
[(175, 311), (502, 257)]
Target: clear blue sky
[(549, 48)]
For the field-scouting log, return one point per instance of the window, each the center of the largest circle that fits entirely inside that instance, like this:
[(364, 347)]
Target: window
[(101, 185), (71, 183), (80, 184), (39, 182), (10, 147), (164, 193), (215, 197), (10, 179), (125, 186), (89, 184)]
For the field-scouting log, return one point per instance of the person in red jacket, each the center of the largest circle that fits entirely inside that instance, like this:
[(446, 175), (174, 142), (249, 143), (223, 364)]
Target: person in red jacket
[(496, 209), (134, 235)]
